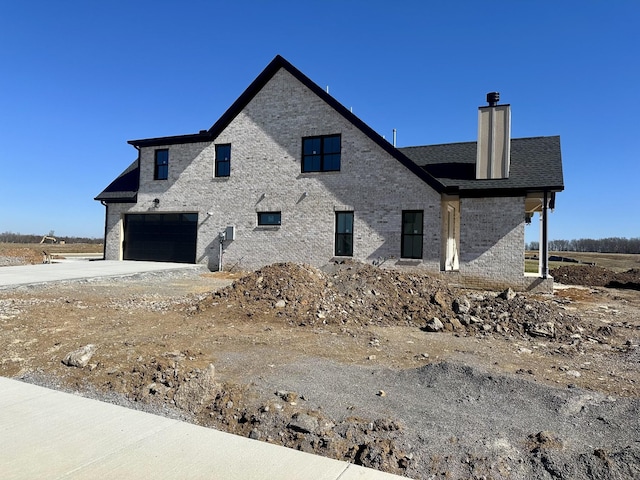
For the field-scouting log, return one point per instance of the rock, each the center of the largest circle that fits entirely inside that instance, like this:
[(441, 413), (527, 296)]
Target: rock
[(573, 373), (466, 319), (461, 305), (546, 329), (280, 304), (456, 324), (80, 358), (439, 299), (434, 325), (508, 294), (381, 393), (302, 422), (194, 394)]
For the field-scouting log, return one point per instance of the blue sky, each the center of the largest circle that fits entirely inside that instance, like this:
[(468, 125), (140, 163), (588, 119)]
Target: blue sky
[(80, 78)]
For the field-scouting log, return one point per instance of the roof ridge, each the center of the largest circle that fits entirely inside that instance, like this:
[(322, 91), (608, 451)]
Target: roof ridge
[(474, 141)]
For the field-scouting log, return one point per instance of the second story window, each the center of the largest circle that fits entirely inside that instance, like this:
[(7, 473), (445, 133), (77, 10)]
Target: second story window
[(223, 160), (161, 169), (321, 154)]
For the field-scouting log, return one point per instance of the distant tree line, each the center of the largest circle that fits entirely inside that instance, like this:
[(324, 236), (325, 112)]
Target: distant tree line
[(10, 237), (602, 245)]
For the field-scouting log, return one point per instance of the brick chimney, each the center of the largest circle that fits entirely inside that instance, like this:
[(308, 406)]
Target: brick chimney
[(494, 139)]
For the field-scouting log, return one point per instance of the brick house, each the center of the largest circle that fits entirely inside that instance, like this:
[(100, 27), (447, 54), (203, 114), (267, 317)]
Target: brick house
[(289, 174)]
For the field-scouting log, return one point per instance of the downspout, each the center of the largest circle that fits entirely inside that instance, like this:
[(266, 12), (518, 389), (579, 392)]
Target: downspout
[(545, 237)]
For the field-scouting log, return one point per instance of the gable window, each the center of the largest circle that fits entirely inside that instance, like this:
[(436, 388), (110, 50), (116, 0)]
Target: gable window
[(269, 218), (223, 160), (161, 169), (344, 234), (321, 154), (411, 234)]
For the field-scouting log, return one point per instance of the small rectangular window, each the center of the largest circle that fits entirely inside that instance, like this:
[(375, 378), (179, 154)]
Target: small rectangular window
[(411, 234), (161, 169), (344, 234), (321, 154), (269, 218), (223, 160)]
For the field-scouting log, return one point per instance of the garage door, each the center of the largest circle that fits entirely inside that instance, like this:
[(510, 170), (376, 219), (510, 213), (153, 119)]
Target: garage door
[(161, 237)]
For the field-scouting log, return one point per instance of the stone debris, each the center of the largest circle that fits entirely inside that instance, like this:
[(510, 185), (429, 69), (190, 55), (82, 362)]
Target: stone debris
[(358, 294), (80, 358), (195, 393), (434, 325)]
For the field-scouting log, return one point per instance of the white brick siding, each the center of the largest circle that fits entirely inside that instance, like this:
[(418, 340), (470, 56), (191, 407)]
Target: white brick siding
[(266, 146)]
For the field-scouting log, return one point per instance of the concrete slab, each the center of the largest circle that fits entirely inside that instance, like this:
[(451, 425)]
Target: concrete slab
[(54, 435), (77, 270)]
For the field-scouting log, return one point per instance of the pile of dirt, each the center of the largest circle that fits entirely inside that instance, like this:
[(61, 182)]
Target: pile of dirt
[(594, 276), (349, 294), (12, 256), (354, 295)]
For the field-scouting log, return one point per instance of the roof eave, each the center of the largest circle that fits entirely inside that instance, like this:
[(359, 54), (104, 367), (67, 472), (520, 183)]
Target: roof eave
[(173, 140), (506, 192)]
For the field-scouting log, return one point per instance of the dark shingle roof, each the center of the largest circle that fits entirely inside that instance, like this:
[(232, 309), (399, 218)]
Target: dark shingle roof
[(123, 189), (536, 164)]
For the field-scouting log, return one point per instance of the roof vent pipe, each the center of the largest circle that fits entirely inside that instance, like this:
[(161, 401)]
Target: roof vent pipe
[(394, 137)]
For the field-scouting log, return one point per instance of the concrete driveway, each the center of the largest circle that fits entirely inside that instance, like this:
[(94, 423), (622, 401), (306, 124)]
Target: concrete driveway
[(76, 270)]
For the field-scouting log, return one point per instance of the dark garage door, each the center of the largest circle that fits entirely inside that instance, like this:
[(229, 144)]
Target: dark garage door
[(161, 237)]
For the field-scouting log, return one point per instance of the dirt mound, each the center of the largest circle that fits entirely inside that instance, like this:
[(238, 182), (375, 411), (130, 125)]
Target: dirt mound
[(10, 256), (346, 294), (354, 295), (594, 276)]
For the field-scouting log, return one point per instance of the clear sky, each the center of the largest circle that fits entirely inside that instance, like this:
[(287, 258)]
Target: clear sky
[(80, 78)]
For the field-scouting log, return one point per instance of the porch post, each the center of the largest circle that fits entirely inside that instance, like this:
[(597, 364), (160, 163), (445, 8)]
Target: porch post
[(545, 238)]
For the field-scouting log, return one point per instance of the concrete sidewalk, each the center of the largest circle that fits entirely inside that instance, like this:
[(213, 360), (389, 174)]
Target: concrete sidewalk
[(77, 270), (46, 434)]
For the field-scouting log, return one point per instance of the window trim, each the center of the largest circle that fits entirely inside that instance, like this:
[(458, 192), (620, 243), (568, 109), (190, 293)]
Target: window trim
[(159, 168), (322, 154), (262, 223), (218, 162), (341, 235), (403, 235)]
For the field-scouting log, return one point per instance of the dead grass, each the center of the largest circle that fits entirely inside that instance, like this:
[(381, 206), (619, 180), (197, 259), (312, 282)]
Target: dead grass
[(617, 262)]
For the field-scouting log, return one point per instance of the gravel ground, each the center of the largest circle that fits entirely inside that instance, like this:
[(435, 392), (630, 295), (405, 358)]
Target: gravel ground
[(342, 363)]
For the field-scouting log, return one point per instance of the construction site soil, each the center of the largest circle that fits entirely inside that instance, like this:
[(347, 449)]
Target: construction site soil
[(396, 371)]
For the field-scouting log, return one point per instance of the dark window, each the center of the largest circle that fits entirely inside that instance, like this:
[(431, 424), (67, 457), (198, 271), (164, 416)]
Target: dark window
[(223, 160), (321, 154), (269, 218), (161, 170), (344, 234), (411, 234)]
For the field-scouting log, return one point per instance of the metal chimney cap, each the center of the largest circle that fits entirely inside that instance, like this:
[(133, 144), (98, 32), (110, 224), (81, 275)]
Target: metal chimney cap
[(493, 98)]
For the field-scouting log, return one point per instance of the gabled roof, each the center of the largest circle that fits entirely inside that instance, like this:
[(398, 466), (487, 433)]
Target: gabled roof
[(276, 64), (123, 189), (536, 165)]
